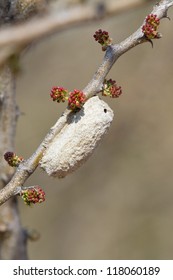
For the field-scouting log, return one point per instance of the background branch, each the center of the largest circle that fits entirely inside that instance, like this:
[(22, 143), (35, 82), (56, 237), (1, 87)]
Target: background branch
[(12, 236), (13, 39)]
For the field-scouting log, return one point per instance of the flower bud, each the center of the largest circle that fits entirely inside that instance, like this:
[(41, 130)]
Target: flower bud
[(59, 94), (150, 27), (111, 89), (76, 99), (102, 37), (12, 159), (33, 195)]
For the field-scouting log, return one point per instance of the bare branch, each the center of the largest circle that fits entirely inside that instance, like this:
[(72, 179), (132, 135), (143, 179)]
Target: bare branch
[(113, 52)]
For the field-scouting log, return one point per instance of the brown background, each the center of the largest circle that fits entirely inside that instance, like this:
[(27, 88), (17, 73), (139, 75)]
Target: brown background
[(119, 205)]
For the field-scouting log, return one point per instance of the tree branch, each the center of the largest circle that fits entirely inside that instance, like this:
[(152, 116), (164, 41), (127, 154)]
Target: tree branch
[(13, 39), (12, 236), (113, 52)]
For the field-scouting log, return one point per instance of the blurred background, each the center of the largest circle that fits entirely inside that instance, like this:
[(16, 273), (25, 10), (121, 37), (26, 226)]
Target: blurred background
[(119, 205)]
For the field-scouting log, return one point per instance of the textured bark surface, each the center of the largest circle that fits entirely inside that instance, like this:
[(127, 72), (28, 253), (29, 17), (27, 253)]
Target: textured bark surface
[(8, 115)]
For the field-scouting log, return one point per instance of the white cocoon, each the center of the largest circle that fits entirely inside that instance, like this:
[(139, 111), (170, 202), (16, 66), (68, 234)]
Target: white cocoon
[(78, 139)]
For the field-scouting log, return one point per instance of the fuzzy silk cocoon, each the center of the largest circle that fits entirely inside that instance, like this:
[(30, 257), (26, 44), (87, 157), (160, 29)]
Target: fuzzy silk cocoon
[(78, 139)]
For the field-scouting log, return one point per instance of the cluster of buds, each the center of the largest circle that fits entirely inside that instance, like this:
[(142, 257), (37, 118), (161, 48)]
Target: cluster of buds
[(76, 99), (111, 89), (12, 159), (103, 38), (59, 94), (33, 195), (150, 27)]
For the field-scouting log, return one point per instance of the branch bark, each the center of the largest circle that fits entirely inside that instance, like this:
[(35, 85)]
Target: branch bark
[(94, 86), (12, 236)]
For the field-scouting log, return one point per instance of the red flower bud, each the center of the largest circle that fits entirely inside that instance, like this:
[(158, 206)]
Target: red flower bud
[(12, 159), (111, 89), (33, 195), (59, 94), (150, 27), (76, 99), (102, 37)]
